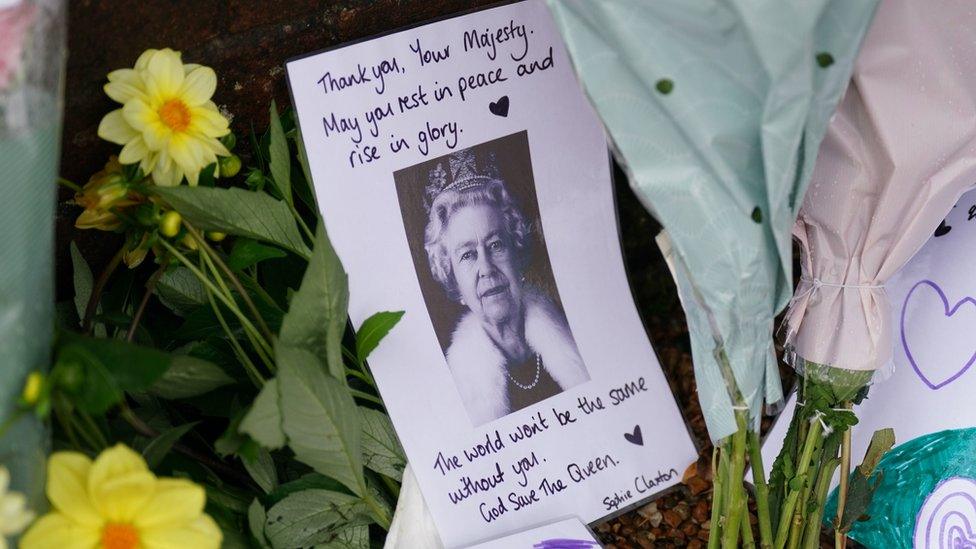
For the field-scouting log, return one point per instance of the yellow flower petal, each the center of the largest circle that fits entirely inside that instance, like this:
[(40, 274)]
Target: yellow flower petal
[(138, 115), (202, 533), (143, 60), (164, 74), (208, 122), (134, 151), (56, 531), (175, 502), (120, 483), (114, 128), (198, 86), (166, 173), (123, 85), (121, 498), (67, 485)]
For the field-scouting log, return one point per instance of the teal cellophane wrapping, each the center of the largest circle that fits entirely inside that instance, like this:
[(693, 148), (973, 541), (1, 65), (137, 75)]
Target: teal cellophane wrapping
[(716, 110), (29, 148)]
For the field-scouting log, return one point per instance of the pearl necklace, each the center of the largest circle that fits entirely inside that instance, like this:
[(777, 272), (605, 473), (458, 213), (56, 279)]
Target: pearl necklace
[(538, 370)]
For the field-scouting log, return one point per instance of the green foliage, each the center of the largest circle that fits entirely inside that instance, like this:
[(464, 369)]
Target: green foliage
[(280, 422), (188, 376), (247, 253), (237, 212), (280, 159), (156, 450), (312, 517), (373, 330), (313, 329), (108, 367), (381, 448)]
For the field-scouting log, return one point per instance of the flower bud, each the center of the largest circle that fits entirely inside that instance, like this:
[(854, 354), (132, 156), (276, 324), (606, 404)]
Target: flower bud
[(189, 243), (229, 165), (70, 376), (169, 224), (216, 236), (33, 388)]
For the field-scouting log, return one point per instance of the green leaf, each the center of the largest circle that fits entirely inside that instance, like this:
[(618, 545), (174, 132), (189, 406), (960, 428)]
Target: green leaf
[(280, 158), (180, 290), (317, 317), (262, 470), (882, 441), (238, 212), (308, 481), (352, 537), (110, 366), (188, 377), (256, 517), (321, 422), (306, 172), (263, 420), (860, 492), (373, 330), (247, 252), (83, 280), (313, 517), (206, 177), (382, 452), (156, 450)]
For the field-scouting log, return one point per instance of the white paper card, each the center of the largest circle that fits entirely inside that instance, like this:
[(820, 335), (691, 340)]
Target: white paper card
[(933, 302), (465, 179), (564, 534)]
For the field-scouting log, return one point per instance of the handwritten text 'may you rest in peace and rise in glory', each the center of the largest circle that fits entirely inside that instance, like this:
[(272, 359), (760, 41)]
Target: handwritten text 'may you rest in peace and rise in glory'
[(509, 48), (501, 473)]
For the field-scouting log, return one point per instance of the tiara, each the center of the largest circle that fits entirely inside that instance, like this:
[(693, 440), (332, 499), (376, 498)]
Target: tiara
[(467, 171)]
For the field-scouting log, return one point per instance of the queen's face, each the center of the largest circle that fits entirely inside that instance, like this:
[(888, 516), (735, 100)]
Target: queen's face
[(483, 260)]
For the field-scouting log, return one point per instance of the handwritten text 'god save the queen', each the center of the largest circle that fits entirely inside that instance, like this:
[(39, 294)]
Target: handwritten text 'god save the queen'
[(366, 129), (524, 476)]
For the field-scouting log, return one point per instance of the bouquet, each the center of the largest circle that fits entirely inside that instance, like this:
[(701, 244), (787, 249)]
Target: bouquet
[(206, 389)]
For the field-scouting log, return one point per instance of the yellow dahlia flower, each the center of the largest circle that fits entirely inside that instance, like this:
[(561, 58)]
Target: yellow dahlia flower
[(14, 515), (117, 503), (167, 122)]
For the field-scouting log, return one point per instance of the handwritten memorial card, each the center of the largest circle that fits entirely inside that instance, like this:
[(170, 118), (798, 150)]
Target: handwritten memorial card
[(464, 178)]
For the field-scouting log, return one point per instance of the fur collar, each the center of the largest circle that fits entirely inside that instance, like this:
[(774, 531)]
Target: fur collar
[(478, 366)]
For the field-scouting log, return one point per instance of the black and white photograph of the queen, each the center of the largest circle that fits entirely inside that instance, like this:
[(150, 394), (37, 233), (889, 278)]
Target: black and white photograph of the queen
[(473, 227)]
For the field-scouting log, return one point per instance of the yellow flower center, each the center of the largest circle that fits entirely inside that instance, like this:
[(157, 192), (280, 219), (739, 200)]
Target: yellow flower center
[(120, 536), (175, 114)]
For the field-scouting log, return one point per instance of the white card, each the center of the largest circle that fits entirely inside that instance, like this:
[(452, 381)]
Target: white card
[(526, 312), (564, 534), (933, 302)]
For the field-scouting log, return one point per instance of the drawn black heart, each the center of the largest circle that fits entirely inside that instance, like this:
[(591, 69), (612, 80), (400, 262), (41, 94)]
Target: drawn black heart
[(943, 229), (635, 438), (500, 107)]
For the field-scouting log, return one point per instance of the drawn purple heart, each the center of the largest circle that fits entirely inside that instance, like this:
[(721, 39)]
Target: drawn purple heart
[(635, 438), (948, 311)]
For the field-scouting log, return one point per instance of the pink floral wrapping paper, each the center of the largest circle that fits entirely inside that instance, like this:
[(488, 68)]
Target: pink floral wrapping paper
[(898, 153), (15, 20)]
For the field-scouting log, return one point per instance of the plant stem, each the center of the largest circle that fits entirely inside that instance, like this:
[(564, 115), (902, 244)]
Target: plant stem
[(150, 288), (800, 512), (205, 280), (762, 491), (249, 367), (96, 295), (366, 396), (715, 529), (811, 538), (94, 430), (748, 541), (391, 485), (263, 351), (215, 257), (301, 222), (840, 537), (803, 466), (736, 501), (379, 512), (146, 430), (70, 184)]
